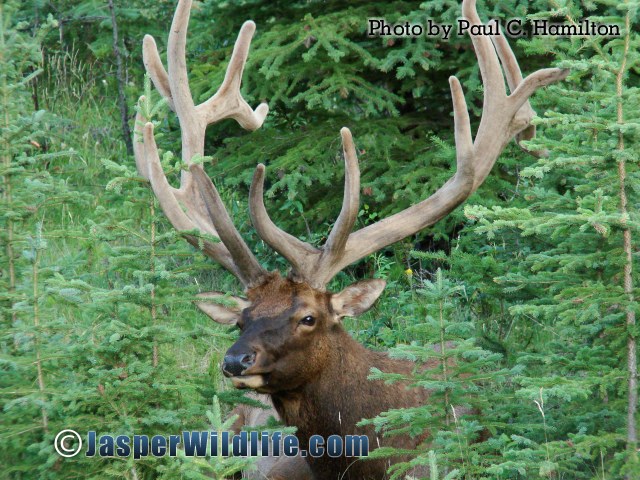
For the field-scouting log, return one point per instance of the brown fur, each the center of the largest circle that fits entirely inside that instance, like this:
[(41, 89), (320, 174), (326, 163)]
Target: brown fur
[(335, 401)]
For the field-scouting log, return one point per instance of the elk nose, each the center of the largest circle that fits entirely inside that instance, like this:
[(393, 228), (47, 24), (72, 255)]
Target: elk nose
[(234, 364)]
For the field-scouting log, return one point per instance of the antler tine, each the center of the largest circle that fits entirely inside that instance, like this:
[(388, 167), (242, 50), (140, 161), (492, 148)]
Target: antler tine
[(228, 102), (337, 239), (153, 65), (294, 250), (507, 58), (250, 270), (164, 192), (233, 75), (492, 78), (138, 142), (192, 128), (495, 94), (462, 127), (524, 88), (514, 78)]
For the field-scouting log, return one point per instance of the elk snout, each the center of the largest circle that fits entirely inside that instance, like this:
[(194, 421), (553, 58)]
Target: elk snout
[(235, 363)]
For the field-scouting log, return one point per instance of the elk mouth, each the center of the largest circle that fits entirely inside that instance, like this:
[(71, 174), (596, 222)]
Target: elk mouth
[(250, 381)]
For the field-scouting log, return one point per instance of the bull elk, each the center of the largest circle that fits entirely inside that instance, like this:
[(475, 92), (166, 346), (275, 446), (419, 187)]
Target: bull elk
[(292, 344)]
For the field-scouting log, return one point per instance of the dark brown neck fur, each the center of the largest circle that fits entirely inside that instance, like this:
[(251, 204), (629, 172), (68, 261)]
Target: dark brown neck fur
[(339, 398)]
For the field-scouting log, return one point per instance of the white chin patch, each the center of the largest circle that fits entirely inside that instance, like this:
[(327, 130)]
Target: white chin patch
[(250, 381)]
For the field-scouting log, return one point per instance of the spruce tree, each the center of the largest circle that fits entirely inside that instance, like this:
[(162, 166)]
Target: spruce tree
[(34, 224), (569, 283)]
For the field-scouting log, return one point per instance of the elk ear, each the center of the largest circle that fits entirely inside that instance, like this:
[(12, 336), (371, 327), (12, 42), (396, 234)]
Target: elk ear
[(224, 309), (357, 298)]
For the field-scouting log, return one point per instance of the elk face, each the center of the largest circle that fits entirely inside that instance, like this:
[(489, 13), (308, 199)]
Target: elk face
[(287, 330)]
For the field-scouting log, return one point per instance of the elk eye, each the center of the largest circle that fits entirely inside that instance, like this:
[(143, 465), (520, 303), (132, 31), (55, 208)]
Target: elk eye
[(309, 321)]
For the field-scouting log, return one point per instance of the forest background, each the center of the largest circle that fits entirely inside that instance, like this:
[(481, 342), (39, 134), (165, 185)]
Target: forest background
[(533, 279)]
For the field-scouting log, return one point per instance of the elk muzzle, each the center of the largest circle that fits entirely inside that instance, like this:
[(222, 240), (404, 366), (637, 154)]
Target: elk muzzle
[(235, 363)]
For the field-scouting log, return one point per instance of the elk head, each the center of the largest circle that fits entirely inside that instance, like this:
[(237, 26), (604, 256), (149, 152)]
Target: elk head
[(289, 324), (288, 330)]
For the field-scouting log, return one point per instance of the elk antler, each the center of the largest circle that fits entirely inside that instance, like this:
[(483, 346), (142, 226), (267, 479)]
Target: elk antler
[(503, 117), (196, 205)]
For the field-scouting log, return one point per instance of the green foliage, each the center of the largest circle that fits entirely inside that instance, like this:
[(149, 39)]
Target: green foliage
[(34, 209), (521, 294), (318, 70), (97, 327), (563, 305), (459, 376)]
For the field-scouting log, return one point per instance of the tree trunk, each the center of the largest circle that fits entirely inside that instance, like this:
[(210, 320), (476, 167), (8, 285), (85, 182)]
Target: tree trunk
[(6, 179), (154, 308), (122, 100), (632, 362), (36, 322)]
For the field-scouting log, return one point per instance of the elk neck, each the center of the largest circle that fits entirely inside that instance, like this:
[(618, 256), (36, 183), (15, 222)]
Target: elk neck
[(341, 395)]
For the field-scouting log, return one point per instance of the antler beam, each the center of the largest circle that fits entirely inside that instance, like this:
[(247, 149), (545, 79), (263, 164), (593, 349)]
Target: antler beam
[(196, 205)]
